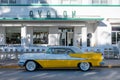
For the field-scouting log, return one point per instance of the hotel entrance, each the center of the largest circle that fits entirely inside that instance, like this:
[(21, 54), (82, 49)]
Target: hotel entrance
[(66, 36)]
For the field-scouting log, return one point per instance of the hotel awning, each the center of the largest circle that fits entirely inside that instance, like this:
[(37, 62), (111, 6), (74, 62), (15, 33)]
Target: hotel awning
[(52, 19)]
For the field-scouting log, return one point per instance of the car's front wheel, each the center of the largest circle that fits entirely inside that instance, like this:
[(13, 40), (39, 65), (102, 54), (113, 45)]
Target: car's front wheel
[(84, 66), (30, 66)]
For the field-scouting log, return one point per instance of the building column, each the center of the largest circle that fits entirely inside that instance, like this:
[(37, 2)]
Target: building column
[(2, 36), (77, 36), (53, 36), (30, 35), (84, 36), (24, 35)]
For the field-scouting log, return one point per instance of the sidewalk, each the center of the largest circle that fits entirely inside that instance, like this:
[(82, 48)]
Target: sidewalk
[(110, 63)]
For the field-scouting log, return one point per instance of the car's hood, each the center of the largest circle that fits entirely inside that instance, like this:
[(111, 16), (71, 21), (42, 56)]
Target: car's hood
[(32, 56)]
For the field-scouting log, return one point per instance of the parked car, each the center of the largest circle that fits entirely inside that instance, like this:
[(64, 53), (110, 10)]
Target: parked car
[(61, 57)]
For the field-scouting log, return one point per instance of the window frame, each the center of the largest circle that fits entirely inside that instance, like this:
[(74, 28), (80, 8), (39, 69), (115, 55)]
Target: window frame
[(8, 2), (14, 2), (116, 31), (40, 35), (13, 37), (100, 1), (33, 1)]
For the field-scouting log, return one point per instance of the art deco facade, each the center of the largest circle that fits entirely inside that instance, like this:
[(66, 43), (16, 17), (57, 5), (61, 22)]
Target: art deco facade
[(82, 23)]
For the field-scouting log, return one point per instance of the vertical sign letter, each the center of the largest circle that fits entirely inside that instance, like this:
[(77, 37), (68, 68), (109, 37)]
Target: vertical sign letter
[(48, 14), (39, 13), (73, 14), (65, 14), (31, 14)]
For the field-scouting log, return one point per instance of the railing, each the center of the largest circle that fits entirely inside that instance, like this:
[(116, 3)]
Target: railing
[(13, 52), (112, 53)]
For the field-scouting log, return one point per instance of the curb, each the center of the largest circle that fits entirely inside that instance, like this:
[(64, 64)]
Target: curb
[(109, 66), (10, 67)]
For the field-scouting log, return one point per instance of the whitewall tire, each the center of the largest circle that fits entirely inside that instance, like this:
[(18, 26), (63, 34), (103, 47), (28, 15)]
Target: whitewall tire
[(30, 66), (84, 66)]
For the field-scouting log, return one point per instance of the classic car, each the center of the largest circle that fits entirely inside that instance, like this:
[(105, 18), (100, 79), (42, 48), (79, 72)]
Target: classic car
[(61, 57)]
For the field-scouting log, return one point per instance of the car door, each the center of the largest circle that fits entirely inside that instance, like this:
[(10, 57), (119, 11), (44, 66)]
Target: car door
[(56, 58)]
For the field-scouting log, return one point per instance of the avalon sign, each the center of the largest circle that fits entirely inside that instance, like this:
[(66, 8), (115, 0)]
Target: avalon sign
[(50, 14)]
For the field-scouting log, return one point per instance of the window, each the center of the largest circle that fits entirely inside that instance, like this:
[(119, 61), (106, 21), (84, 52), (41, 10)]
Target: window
[(99, 1), (13, 35), (71, 1), (44, 1), (95, 1), (8, 1), (4, 1), (37, 1), (12, 1), (65, 1), (115, 35), (75, 1), (33, 1), (40, 36), (104, 2)]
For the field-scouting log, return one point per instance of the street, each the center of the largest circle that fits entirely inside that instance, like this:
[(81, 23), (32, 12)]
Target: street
[(61, 74)]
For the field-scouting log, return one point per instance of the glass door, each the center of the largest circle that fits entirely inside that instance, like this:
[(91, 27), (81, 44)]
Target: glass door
[(115, 37), (66, 36)]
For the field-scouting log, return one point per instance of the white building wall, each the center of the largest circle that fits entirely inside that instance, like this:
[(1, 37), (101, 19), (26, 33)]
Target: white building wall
[(104, 34), (95, 37)]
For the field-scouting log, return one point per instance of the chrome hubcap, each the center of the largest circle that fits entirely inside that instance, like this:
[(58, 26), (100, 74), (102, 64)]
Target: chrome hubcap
[(84, 66), (31, 66)]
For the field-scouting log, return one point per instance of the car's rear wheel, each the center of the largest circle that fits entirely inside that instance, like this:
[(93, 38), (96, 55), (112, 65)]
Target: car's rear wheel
[(84, 66), (30, 66)]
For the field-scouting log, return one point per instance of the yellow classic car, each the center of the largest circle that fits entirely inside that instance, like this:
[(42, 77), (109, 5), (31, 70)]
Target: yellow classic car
[(61, 57)]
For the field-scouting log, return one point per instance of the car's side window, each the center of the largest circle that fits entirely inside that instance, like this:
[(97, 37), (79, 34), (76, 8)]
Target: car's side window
[(49, 51), (58, 51)]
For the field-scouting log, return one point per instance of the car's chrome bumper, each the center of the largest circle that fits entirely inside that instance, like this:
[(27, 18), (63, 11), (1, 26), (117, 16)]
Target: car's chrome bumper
[(21, 63)]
